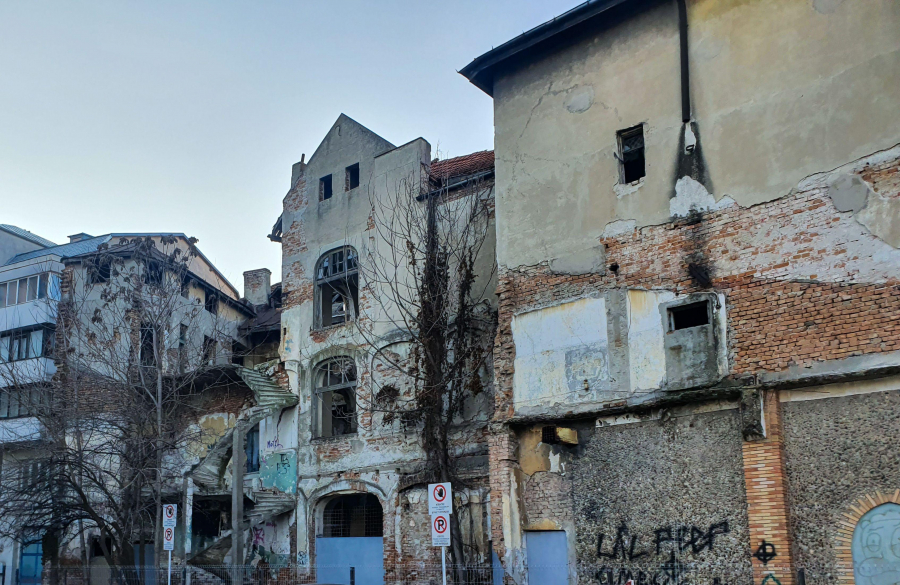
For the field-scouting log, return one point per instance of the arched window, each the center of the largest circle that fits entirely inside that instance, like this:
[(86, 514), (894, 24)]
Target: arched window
[(337, 287), (876, 545), (353, 515), (335, 397)]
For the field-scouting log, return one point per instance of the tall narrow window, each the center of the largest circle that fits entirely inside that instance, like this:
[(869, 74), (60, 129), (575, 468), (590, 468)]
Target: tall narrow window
[(209, 351), (148, 359), (337, 287), (325, 188), (335, 397), (631, 154), (212, 303), (252, 449), (351, 180), (182, 347)]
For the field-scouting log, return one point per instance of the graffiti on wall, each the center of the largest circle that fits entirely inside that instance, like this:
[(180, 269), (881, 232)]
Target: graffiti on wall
[(656, 558), (766, 552), (279, 471), (876, 546)]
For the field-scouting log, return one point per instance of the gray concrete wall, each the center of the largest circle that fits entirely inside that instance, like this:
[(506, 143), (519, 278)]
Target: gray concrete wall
[(837, 450), (780, 90)]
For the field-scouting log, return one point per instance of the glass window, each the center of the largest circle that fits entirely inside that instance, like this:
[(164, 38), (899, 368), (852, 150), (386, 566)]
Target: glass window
[(252, 449), (11, 294), (2, 295), (42, 285), (23, 290), (32, 288)]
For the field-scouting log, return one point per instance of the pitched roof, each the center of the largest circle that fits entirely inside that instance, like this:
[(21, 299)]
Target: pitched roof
[(89, 245), (459, 166), (26, 235)]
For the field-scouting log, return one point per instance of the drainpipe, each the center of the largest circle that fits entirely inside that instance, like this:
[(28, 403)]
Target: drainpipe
[(685, 75)]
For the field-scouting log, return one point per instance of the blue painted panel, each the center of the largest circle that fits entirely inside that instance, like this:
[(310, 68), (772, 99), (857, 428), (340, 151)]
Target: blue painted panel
[(31, 563), (336, 556), (496, 569), (279, 471), (876, 546), (547, 556)]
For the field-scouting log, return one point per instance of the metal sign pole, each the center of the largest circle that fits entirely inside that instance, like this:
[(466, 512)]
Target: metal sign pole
[(443, 564), (170, 567)]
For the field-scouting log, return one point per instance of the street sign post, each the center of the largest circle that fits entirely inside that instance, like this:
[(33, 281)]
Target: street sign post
[(170, 521), (440, 498), (440, 536)]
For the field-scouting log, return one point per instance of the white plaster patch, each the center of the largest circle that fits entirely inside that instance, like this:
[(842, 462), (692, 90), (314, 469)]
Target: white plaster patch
[(580, 99), (691, 195), (559, 351), (646, 339), (619, 227), (624, 189)]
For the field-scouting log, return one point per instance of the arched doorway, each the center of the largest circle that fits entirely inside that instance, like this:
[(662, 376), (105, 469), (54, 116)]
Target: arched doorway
[(876, 546), (350, 545)]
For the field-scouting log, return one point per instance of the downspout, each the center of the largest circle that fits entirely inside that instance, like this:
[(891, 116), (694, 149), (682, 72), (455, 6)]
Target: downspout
[(685, 73)]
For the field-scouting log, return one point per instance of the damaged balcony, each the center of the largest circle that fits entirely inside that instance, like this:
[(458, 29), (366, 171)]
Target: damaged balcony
[(267, 494)]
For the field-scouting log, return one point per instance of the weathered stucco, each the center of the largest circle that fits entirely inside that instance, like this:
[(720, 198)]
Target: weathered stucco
[(773, 105)]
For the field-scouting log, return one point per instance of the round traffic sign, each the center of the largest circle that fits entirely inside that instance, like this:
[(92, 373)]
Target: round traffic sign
[(169, 510), (440, 524), (169, 534), (439, 493)]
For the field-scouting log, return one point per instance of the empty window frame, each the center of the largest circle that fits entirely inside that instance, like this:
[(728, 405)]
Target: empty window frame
[(211, 303), (687, 316), (182, 347), (99, 270), (353, 515), (325, 188), (335, 397), (154, 274), (631, 154), (251, 449), (337, 287), (24, 290), (209, 351), (351, 177), (147, 357)]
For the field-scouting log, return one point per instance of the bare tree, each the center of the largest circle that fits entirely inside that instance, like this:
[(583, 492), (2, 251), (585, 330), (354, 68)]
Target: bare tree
[(134, 350), (428, 277)]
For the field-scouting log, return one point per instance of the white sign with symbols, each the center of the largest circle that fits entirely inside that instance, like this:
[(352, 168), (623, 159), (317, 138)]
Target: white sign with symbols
[(440, 498), (170, 515), (168, 539), (440, 530)]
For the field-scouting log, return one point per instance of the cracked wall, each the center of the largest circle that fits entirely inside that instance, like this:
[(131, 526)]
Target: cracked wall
[(765, 127)]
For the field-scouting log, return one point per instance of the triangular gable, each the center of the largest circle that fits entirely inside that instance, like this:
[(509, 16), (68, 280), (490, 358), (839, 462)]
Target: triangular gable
[(346, 127)]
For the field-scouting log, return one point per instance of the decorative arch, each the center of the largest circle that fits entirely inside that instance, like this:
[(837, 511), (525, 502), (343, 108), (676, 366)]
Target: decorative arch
[(851, 528), (320, 498)]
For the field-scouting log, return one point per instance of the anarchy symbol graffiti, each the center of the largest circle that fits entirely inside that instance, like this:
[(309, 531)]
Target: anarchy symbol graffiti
[(765, 552)]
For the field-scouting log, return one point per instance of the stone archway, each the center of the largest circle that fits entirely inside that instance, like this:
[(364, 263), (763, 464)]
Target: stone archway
[(864, 540)]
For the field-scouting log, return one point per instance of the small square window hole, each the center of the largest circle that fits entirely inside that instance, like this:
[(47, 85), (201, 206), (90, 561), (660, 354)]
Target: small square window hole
[(351, 180), (687, 316)]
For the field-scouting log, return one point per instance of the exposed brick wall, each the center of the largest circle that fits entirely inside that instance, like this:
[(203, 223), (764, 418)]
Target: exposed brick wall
[(803, 283), (767, 507)]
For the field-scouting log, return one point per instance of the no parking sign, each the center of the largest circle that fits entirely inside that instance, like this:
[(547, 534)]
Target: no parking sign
[(440, 530)]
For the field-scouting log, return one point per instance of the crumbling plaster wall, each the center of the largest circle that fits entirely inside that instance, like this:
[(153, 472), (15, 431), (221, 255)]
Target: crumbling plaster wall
[(377, 459), (772, 107)]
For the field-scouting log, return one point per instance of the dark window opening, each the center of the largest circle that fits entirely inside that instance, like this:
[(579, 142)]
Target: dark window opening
[(325, 188), (337, 290), (353, 516), (631, 154), (148, 360), (100, 271), (182, 347), (211, 304), (686, 316), (209, 351), (153, 274), (335, 398), (351, 180), (549, 436), (251, 448), (26, 344)]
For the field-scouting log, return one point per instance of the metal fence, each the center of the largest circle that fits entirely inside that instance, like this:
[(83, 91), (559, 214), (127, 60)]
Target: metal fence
[(431, 574)]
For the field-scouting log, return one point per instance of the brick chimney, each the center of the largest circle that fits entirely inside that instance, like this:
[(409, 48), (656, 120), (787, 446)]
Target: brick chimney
[(257, 286)]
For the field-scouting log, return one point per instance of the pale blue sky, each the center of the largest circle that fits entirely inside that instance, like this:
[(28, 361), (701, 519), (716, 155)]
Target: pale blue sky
[(186, 116)]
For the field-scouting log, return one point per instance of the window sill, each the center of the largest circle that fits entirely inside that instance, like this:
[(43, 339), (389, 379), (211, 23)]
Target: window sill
[(314, 330), (333, 439)]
